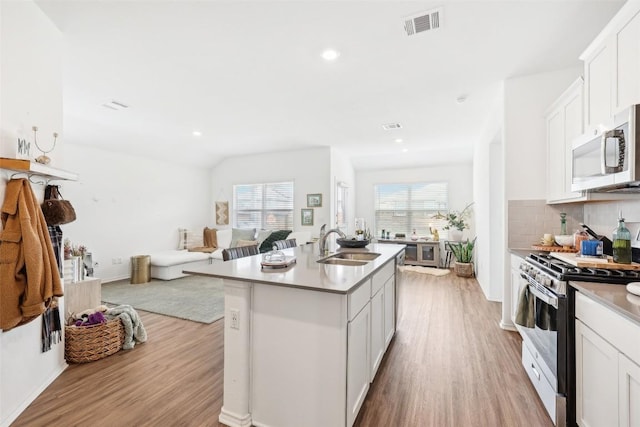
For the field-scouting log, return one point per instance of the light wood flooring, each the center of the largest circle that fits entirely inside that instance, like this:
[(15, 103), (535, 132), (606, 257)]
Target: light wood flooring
[(449, 365)]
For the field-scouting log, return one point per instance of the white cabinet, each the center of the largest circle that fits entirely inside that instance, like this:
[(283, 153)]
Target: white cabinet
[(598, 76), (516, 284), (607, 366), (628, 392), (564, 123), (596, 379), (358, 371), (612, 67), (626, 83), (389, 310), (377, 330)]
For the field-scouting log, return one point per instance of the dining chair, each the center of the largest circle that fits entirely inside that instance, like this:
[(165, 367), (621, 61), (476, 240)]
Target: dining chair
[(239, 252), (284, 244)]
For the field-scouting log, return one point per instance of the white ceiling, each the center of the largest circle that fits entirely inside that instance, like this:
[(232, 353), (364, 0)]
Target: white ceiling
[(249, 75)]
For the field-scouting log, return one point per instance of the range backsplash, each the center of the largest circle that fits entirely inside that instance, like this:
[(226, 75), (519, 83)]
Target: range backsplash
[(530, 219)]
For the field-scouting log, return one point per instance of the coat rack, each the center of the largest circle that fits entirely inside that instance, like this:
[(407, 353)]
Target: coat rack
[(34, 168)]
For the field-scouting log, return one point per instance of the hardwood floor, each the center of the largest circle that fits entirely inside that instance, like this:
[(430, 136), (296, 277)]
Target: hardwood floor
[(449, 365)]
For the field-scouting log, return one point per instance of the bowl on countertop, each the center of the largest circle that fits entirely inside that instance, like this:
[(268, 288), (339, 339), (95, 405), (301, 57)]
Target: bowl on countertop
[(564, 239), (352, 243)]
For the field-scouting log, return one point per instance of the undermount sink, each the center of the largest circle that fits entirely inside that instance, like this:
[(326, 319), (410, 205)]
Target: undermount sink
[(362, 256), (350, 258), (340, 261)]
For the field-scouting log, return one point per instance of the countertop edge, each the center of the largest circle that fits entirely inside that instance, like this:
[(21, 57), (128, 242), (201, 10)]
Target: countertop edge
[(592, 290)]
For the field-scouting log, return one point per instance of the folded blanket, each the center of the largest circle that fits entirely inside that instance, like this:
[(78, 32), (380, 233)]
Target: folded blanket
[(525, 313), (134, 331)]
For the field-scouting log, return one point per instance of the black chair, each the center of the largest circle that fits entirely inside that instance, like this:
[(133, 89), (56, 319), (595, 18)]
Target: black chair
[(284, 244), (239, 252)]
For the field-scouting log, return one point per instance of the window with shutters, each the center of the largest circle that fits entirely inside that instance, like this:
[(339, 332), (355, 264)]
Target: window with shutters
[(266, 206), (401, 208)]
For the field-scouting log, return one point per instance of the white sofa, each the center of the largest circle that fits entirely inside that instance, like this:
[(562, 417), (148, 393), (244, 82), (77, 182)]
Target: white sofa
[(168, 265)]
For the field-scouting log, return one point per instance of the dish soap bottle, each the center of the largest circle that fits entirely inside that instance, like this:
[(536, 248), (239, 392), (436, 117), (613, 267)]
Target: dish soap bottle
[(621, 243), (563, 223)]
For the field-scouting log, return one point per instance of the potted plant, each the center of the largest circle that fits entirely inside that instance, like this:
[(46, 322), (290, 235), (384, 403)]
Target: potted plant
[(456, 221), (463, 251)]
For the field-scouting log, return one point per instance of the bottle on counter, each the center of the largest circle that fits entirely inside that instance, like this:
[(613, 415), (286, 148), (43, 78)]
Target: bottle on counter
[(383, 235), (563, 224), (414, 235), (621, 243)]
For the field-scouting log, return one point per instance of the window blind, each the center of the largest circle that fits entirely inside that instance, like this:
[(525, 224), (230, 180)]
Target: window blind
[(266, 206), (401, 208)]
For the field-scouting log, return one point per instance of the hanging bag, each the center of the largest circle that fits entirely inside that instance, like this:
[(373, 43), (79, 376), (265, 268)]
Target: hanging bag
[(56, 210)]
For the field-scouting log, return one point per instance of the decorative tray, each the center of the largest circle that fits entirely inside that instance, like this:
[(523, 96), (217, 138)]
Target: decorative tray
[(279, 264), (352, 243)]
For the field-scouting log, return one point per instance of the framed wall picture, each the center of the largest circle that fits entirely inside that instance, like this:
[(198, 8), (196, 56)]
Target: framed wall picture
[(306, 217), (314, 200)]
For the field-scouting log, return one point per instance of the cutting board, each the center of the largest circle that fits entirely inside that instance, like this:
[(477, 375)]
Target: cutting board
[(578, 261), (554, 248)]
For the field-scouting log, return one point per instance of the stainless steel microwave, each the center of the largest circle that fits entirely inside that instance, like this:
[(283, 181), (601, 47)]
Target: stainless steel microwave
[(608, 159)]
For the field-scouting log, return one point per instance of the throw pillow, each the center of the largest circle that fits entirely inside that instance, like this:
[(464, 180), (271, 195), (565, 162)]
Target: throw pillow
[(183, 234), (262, 235), (241, 234), (267, 244), (246, 243), (188, 239)]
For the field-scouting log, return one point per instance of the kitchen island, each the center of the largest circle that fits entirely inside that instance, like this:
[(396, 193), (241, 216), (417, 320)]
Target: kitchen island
[(303, 343)]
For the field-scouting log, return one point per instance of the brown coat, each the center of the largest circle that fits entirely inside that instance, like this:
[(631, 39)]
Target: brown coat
[(29, 276)]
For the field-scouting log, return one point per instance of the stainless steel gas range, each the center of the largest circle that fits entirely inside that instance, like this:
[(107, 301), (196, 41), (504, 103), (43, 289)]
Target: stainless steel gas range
[(548, 332)]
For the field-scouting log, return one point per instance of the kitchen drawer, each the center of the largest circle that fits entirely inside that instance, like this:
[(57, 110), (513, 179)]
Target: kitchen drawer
[(359, 298), (611, 326), (381, 276), (542, 385)]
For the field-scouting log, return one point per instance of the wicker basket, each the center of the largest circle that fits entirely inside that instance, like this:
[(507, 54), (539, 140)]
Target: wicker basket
[(94, 342), (463, 269)]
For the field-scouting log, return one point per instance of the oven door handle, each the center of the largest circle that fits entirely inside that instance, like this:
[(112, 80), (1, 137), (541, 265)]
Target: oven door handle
[(552, 301)]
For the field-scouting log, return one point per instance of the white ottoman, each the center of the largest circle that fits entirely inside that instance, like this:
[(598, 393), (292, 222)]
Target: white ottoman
[(168, 265)]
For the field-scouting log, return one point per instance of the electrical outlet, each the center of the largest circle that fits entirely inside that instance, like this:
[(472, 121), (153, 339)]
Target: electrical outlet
[(235, 318), (115, 261)]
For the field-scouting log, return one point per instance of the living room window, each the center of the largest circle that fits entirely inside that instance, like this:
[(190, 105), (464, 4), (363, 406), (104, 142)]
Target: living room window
[(266, 206), (401, 208)]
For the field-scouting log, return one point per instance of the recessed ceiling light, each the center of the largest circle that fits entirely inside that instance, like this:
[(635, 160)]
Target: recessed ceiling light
[(330, 55), (399, 141), (196, 133), (405, 150)]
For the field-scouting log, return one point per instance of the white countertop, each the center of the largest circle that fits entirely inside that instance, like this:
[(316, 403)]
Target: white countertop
[(612, 296), (306, 272)]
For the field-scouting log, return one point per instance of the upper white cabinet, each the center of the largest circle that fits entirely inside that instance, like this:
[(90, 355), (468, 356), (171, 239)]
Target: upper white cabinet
[(598, 80), (612, 67), (564, 123)]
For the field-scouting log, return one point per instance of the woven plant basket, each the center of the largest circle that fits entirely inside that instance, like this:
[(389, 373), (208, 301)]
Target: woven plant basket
[(89, 343), (463, 269)]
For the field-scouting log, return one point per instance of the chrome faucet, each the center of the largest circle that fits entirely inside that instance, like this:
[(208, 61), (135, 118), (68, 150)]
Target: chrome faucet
[(322, 241)]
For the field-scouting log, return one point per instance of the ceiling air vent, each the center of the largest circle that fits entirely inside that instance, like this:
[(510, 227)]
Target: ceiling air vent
[(390, 126), (424, 21), (115, 105)]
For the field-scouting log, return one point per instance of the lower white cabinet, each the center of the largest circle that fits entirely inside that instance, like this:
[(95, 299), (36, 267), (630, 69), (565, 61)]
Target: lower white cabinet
[(389, 310), (596, 379), (628, 392), (607, 366), (377, 330), (358, 354)]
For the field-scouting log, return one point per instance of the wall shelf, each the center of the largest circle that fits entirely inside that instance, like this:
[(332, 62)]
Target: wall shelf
[(35, 168)]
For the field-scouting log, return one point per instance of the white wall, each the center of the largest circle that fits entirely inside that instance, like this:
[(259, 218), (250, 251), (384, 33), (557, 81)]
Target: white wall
[(459, 177), (310, 171), (31, 85), (525, 101), (342, 171), (129, 205)]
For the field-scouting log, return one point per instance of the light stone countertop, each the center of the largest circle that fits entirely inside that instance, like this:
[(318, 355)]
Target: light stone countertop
[(306, 272), (613, 296)]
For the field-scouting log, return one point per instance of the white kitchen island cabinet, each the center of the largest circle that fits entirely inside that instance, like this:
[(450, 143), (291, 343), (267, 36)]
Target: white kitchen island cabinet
[(305, 341)]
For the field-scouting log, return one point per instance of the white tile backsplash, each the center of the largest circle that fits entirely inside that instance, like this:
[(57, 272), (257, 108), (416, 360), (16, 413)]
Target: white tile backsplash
[(529, 220)]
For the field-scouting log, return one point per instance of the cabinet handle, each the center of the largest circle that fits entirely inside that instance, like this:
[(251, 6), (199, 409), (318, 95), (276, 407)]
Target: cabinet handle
[(536, 373), (595, 131)]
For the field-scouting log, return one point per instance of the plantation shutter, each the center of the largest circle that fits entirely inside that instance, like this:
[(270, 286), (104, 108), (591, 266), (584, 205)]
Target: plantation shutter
[(263, 206)]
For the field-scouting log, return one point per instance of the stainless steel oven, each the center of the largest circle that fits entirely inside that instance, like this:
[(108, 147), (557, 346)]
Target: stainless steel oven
[(548, 338)]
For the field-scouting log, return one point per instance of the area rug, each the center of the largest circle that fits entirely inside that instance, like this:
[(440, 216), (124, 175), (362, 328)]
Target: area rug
[(196, 298), (426, 270)]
